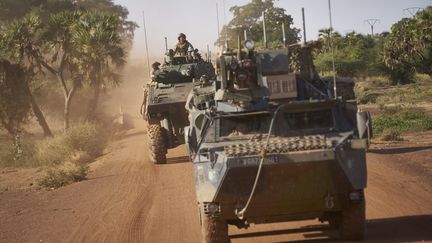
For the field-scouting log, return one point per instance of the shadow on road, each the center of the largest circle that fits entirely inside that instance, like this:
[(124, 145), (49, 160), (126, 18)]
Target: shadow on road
[(139, 133), (398, 150), (399, 229), (176, 160)]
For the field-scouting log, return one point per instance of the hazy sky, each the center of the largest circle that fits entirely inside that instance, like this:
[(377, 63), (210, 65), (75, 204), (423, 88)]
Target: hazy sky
[(197, 18)]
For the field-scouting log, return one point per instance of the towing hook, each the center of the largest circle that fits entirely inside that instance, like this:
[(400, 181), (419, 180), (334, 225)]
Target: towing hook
[(240, 214)]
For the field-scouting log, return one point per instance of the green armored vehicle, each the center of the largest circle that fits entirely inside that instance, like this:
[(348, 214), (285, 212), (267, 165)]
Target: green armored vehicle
[(271, 145), (164, 100)]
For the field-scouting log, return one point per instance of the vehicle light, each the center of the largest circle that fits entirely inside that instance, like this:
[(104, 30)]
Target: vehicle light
[(212, 176), (359, 143), (242, 76), (213, 208), (249, 44)]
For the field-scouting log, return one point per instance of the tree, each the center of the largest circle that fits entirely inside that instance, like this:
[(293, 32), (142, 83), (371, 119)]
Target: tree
[(355, 54), (125, 28), (15, 103), (58, 46), (408, 48), (17, 42), (249, 17), (99, 52)]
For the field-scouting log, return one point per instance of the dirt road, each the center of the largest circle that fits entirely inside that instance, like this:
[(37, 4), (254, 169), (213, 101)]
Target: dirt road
[(128, 199)]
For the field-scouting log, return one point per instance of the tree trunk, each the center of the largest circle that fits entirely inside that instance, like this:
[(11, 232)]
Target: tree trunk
[(93, 103), (7, 126), (68, 100), (39, 115)]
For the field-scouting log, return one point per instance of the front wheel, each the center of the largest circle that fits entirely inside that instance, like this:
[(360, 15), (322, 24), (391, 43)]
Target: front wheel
[(157, 143), (352, 225), (213, 230)]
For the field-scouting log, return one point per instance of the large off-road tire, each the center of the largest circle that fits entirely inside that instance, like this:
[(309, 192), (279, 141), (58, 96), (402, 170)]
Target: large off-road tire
[(157, 143), (352, 224), (214, 230), (169, 133)]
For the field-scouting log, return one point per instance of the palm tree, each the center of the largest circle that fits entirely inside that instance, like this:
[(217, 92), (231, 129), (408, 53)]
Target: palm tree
[(99, 52), (19, 41)]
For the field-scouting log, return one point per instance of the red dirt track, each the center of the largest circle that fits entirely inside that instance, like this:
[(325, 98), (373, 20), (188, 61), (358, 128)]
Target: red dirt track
[(128, 199)]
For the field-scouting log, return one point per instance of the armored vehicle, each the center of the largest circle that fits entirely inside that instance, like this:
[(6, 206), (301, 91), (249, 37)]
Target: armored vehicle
[(270, 144), (164, 100)]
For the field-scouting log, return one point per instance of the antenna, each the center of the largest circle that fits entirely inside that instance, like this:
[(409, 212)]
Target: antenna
[(332, 50), (413, 10), (224, 20), (372, 22), (208, 53), (145, 36), (304, 26), (264, 30), (283, 34), (217, 19)]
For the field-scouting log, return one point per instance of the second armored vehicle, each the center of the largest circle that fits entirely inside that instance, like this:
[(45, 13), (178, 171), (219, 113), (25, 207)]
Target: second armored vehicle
[(164, 100)]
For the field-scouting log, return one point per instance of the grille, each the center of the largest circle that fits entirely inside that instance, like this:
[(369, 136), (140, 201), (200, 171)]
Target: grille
[(277, 145)]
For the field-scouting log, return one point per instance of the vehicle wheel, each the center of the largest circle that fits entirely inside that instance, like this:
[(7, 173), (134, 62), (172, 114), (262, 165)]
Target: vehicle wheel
[(214, 230), (157, 143), (168, 133), (352, 224)]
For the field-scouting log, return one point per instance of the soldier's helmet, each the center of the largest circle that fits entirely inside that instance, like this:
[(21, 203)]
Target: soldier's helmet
[(156, 65), (181, 35)]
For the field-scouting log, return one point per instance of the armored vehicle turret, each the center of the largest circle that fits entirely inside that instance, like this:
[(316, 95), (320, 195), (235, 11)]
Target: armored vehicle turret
[(164, 100), (270, 144)]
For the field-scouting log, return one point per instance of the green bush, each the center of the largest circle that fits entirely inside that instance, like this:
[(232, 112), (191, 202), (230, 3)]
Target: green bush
[(423, 78), (391, 135), (87, 137), (402, 121), (56, 178), (367, 97)]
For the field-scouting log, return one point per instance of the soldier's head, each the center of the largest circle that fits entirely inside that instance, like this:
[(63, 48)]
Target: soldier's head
[(181, 38)]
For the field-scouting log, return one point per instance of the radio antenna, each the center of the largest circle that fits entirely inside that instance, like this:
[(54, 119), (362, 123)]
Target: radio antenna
[(332, 50), (146, 45)]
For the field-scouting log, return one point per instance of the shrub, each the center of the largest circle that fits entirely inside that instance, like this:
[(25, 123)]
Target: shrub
[(391, 135), (367, 97), (87, 138), (423, 78), (402, 121), (56, 178)]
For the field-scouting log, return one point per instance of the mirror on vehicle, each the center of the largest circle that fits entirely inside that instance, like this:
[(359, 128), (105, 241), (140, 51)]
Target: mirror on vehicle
[(364, 124)]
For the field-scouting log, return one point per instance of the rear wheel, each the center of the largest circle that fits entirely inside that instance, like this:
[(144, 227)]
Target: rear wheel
[(352, 223), (157, 143), (213, 230)]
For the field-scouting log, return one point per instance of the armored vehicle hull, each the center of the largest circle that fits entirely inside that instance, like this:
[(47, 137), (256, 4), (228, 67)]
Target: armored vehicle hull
[(164, 102), (291, 153)]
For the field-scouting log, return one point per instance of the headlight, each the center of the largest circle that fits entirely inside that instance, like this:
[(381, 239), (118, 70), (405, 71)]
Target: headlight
[(241, 76), (212, 176), (233, 65), (249, 44)]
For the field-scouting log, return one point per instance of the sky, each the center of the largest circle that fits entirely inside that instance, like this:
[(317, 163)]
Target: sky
[(198, 19)]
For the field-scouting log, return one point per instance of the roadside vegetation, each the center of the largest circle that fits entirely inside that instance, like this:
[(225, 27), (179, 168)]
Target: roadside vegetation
[(57, 59)]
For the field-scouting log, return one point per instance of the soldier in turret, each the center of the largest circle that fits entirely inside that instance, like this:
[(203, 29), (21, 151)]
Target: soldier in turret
[(183, 46)]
